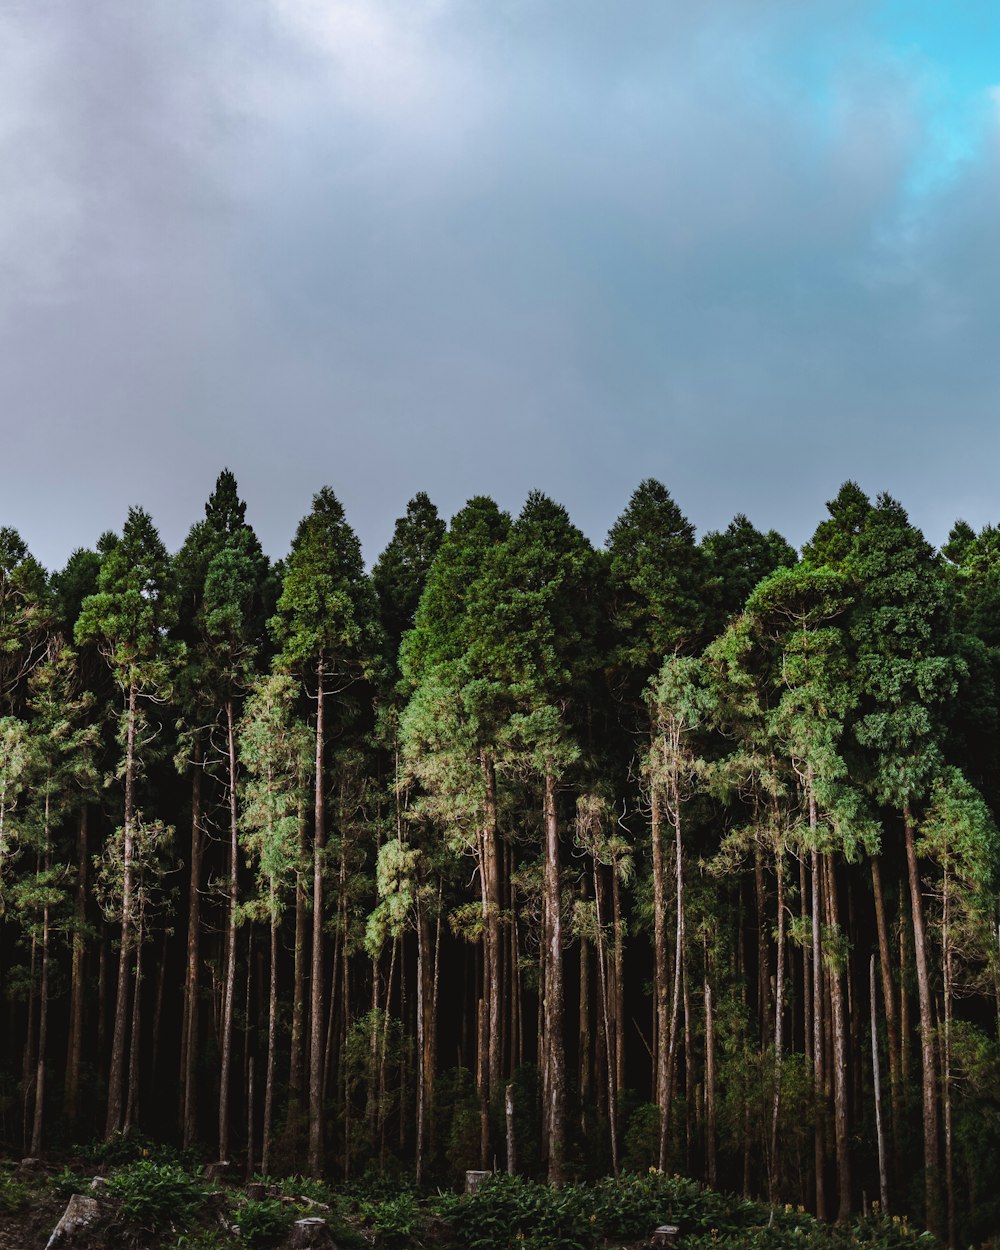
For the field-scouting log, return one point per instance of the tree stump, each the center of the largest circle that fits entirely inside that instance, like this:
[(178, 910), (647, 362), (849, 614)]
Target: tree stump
[(80, 1213), (473, 1179), (311, 1233), (665, 1235)]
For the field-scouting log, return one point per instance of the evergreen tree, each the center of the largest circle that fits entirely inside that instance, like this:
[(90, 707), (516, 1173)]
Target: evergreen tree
[(128, 619), (326, 626)]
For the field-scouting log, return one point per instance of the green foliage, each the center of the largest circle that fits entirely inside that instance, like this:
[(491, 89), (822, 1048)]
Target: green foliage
[(263, 1221), (156, 1195), (14, 1194)]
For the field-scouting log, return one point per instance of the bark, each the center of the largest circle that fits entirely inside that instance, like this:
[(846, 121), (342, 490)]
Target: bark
[(555, 1058), (189, 1042), (888, 996), (932, 1157), (818, 1026), (711, 1169), (779, 1034), (946, 961), (272, 1033), (74, 1047), (619, 979), (606, 1018), (43, 1022), (661, 976), (883, 1179), (840, 1086), (229, 989), (116, 1076), (316, 988), (295, 1066)]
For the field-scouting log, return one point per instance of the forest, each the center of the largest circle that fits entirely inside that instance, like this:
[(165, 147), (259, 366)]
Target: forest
[(514, 853)]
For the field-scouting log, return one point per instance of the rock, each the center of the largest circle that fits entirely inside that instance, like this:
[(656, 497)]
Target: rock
[(665, 1235), (311, 1233), (98, 1185), (473, 1179), (80, 1213)]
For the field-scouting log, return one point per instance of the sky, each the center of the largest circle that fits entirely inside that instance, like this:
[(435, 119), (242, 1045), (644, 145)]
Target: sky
[(748, 247)]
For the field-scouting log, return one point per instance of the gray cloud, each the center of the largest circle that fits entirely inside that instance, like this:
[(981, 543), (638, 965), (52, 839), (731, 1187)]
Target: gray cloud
[(469, 248)]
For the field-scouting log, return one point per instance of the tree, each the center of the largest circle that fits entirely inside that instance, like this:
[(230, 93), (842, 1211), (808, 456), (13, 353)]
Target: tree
[(326, 626), (128, 619), (401, 571), (534, 620), (909, 672)]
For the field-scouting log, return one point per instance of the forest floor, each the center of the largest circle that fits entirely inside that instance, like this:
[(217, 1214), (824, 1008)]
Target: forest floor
[(156, 1203)]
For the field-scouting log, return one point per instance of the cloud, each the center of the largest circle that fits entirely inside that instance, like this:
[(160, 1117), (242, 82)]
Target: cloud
[(449, 246)]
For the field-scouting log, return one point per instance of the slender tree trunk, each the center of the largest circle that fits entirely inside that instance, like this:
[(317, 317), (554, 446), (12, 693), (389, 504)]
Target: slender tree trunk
[(763, 951), (946, 961), (316, 988), (116, 1077), (74, 1048), (229, 991), (272, 1031), (295, 1067), (43, 1019), (883, 1178), (661, 976), (132, 1102), (619, 979), (779, 1027), (818, 1023), (189, 1044), (932, 1157), (670, 1040), (492, 967), (711, 1169), (888, 995), (606, 1016), (840, 1086), (554, 1011)]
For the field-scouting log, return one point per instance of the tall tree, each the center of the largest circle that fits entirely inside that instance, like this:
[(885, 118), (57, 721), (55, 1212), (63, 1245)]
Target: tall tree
[(534, 614), (128, 619), (326, 626), (909, 671)]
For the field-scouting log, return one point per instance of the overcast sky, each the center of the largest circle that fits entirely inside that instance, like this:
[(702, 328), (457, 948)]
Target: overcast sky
[(748, 247)]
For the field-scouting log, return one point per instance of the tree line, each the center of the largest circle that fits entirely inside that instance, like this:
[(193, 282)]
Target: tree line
[(514, 852)]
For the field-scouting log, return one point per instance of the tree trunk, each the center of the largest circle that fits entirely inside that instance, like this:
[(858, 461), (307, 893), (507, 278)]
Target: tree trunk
[(74, 1048), (818, 1024), (43, 1018), (946, 962), (116, 1076), (883, 1179), (316, 988), (272, 1032), (555, 1112), (293, 1121), (606, 1016), (229, 991), (779, 1027), (840, 1086), (932, 1157), (888, 996), (189, 1041), (661, 976), (710, 1121)]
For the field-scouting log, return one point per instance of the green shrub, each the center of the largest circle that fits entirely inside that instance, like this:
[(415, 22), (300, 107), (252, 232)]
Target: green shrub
[(68, 1182), (14, 1194), (159, 1195), (263, 1221)]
